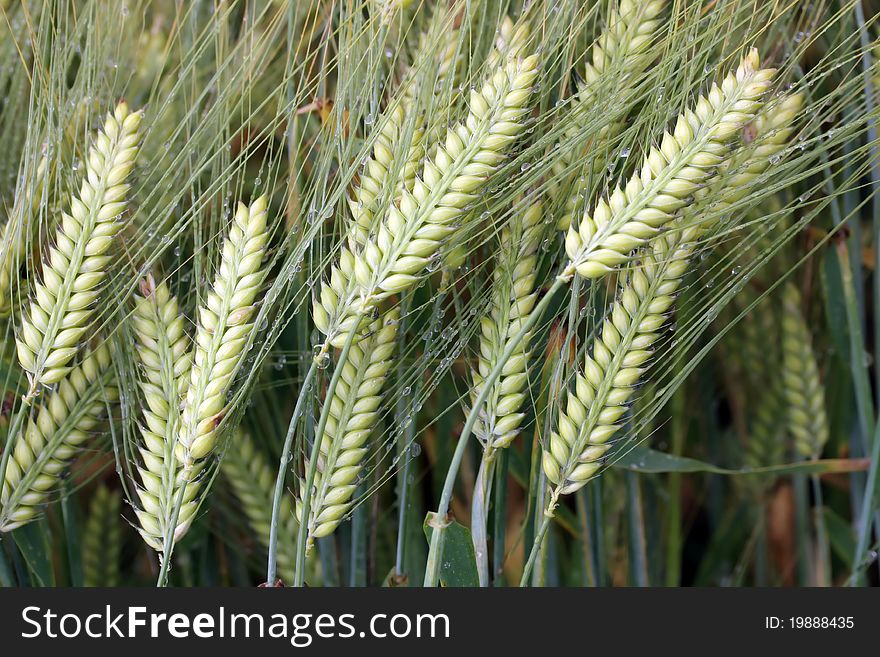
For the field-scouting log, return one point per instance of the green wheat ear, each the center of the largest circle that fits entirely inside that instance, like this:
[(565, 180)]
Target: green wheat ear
[(354, 409), (670, 174), (412, 231), (51, 439), (591, 413), (222, 331), (513, 298), (252, 480), (163, 354), (102, 539), (623, 50), (62, 307), (804, 394)]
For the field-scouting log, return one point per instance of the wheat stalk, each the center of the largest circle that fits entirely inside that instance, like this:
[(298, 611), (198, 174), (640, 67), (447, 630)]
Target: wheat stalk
[(221, 333), (353, 410), (414, 227), (163, 354), (102, 539), (623, 50), (247, 471), (804, 394), (51, 439), (670, 174), (62, 307)]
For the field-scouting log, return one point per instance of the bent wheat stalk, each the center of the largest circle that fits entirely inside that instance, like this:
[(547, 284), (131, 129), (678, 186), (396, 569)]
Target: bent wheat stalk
[(668, 178), (163, 352), (412, 232), (51, 439), (62, 308)]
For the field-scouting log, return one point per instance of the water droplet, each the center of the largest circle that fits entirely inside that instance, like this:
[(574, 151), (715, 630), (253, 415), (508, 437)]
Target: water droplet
[(525, 166), (624, 153), (176, 251), (406, 391), (414, 450), (369, 119)]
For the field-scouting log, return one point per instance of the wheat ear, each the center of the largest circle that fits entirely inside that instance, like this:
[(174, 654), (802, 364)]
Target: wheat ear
[(807, 421), (510, 42), (412, 231), (62, 307), (163, 354), (513, 299), (591, 413), (102, 539), (246, 469), (623, 50), (354, 409), (14, 239), (670, 174), (773, 128), (52, 438), (222, 330)]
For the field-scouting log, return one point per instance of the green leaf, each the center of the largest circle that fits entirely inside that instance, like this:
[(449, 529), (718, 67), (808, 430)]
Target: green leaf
[(644, 459), (459, 567), (34, 544)]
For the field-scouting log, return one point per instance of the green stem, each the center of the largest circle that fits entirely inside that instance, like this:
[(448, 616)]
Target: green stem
[(869, 508), (539, 540), (438, 536), (823, 549), (302, 539), (500, 516), (673, 516), (479, 513), (802, 531), (282, 471), (168, 539), (636, 522)]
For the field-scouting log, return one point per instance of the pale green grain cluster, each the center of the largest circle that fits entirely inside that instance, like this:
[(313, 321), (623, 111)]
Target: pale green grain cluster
[(252, 480), (417, 223), (621, 54), (592, 410), (224, 324), (14, 242), (54, 436), (670, 175), (354, 410), (163, 351), (513, 296), (62, 306), (807, 422), (102, 538)]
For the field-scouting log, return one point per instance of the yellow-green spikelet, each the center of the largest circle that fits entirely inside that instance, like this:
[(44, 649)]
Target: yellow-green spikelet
[(163, 351), (53, 437), (62, 308), (353, 413), (670, 174), (412, 231)]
